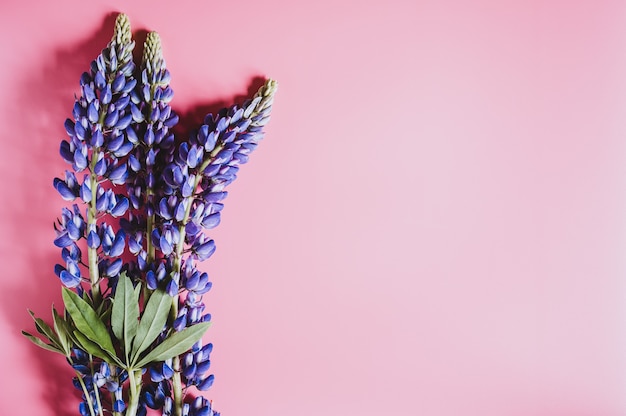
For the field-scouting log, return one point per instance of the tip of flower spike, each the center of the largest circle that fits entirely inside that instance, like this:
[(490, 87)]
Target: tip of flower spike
[(263, 100), (152, 52), (121, 33), (268, 89)]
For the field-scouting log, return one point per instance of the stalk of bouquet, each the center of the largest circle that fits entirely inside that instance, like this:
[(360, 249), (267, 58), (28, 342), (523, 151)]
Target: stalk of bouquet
[(134, 315)]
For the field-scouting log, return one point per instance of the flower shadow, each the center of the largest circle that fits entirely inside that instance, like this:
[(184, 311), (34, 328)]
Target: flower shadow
[(193, 118)]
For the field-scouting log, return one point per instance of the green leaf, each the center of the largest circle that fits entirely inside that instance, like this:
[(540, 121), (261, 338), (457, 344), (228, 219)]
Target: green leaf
[(44, 329), (86, 321), (41, 344), (62, 329), (95, 350), (125, 314), (152, 321), (175, 344)]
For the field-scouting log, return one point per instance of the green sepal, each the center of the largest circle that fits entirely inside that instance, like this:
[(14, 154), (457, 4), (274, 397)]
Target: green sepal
[(152, 321), (87, 322), (175, 344)]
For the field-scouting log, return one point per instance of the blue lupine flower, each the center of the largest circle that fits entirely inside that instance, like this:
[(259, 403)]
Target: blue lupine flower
[(118, 404), (195, 365), (161, 371), (120, 135), (199, 407), (155, 394)]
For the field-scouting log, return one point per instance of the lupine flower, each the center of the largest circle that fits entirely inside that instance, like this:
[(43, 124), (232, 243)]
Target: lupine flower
[(138, 190)]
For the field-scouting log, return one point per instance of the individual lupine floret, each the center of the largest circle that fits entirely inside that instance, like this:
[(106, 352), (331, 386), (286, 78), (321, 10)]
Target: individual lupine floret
[(154, 395), (70, 275), (193, 280), (190, 312), (70, 227), (161, 371), (199, 407), (195, 365)]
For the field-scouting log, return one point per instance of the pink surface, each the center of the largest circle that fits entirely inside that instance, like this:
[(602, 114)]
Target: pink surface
[(433, 226)]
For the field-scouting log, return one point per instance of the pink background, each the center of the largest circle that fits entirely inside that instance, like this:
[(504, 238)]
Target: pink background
[(433, 226)]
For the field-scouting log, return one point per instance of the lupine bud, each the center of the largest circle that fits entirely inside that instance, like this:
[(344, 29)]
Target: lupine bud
[(205, 250), (211, 221), (99, 80), (120, 207), (80, 160), (111, 118), (65, 191), (119, 174), (206, 383), (124, 149), (68, 279), (172, 288), (106, 97), (114, 268), (93, 240), (121, 104), (118, 244), (118, 82)]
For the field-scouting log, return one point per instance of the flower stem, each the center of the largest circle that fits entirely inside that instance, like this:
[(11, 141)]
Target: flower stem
[(113, 373), (267, 93), (135, 391), (86, 392), (176, 379), (95, 388), (92, 253)]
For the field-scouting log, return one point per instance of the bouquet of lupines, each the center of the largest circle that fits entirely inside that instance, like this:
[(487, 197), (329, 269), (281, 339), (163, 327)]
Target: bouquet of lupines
[(133, 320)]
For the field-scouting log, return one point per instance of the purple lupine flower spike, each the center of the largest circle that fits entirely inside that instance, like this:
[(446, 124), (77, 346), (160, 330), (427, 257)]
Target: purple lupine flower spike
[(97, 140), (120, 134)]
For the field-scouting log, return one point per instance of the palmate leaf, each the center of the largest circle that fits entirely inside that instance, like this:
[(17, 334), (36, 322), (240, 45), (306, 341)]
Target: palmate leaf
[(125, 314), (152, 321), (87, 322), (175, 344)]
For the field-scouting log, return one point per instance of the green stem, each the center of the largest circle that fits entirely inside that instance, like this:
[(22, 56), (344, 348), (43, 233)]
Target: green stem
[(135, 391), (92, 253), (95, 388), (87, 396), (149, 228), (113, 373), (98, 402), (150, 249)]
